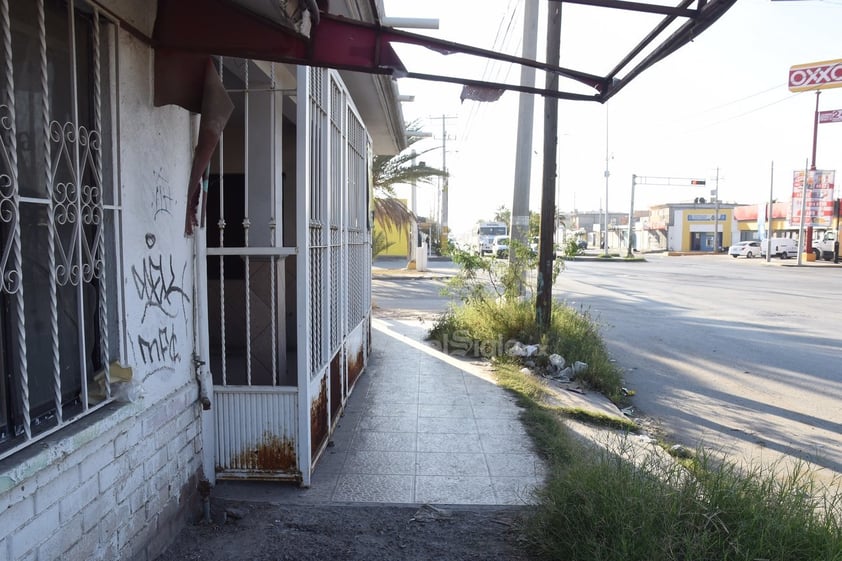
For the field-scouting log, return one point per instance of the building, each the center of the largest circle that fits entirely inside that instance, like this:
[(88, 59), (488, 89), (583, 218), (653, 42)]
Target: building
[(186, 265), (589, 226), (393, 237), (753, 221), (688, 227)]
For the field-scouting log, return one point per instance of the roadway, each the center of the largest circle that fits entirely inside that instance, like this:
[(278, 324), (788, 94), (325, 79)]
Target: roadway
[(738, 355)]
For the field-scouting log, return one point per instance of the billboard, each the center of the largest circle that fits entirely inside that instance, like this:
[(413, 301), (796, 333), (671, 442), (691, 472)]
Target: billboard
[(816, 76), (819, 199)]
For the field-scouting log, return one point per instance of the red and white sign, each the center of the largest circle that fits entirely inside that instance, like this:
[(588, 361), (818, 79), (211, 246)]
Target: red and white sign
[(816, 76), (834, 116), (819, 198)]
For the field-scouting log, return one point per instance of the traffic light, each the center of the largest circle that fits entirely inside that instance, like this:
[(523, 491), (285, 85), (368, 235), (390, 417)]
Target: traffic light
[(697, 182)]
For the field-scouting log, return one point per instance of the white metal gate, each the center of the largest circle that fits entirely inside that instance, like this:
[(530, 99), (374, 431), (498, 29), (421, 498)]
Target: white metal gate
[(252, 362), (288, 269)]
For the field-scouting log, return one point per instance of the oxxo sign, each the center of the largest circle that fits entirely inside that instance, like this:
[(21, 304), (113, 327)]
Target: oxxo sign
[(815, 76)]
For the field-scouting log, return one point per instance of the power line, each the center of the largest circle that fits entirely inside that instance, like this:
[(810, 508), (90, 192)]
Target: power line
[(749, 112), (493, 67)]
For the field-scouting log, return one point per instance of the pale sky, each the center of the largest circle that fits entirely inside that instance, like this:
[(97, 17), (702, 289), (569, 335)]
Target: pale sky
[(719, 102)]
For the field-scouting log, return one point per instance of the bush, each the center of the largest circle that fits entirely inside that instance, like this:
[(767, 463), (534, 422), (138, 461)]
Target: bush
[(498, 309)]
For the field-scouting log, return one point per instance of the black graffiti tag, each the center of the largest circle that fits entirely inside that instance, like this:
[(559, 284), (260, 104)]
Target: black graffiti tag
[(163, 195), (160, 348), (157, 287)]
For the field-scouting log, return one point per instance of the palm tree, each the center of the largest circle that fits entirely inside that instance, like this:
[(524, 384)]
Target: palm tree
[(389, 171)]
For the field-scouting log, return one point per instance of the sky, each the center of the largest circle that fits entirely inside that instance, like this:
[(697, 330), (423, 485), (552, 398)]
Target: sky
[(719, 108)]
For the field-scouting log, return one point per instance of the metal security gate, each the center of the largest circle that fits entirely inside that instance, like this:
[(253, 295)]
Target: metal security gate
[(252, 359), (288, 268), (338, 258)]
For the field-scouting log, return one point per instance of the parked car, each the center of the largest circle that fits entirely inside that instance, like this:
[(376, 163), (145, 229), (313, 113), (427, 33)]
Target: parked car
[(747, 249), (500, 246), (780, 247)]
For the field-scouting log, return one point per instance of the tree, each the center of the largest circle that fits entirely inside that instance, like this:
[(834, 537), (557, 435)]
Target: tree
[(503, 215), (389, 171), (534, 224)]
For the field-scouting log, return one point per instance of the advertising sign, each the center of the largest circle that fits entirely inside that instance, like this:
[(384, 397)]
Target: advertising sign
[(832, 116), (820, 194), (815, 76)]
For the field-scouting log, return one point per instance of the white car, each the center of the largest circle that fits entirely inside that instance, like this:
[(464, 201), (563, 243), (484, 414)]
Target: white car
[(747, 249), (500, 246)]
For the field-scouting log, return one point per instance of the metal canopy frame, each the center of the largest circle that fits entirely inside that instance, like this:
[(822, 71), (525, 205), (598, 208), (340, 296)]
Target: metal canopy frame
[(348, 44)]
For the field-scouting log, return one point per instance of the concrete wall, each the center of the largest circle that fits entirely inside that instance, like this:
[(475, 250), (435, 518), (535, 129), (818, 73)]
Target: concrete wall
[(120, 483)]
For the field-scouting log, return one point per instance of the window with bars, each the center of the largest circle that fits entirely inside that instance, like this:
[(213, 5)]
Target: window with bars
[(59, 324)]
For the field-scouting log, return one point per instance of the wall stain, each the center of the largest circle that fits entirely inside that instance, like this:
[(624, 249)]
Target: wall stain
[(318, 419), (272, 453), (356, 362)]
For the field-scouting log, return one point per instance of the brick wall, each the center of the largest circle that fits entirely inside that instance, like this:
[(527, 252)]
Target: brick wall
[(118, 485)]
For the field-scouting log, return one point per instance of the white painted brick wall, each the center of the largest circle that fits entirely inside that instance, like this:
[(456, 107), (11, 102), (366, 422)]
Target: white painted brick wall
[(96, 503)]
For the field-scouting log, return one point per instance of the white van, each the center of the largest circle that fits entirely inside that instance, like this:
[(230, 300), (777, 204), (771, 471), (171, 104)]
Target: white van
[(780, 247)]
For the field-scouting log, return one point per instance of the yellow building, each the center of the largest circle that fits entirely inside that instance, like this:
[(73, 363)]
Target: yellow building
[(396, 238), (691, 226)]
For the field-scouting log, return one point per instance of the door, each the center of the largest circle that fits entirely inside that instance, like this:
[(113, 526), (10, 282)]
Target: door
[(249, 265)]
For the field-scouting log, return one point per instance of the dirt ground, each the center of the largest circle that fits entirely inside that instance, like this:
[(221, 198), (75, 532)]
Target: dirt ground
[(261, 532)]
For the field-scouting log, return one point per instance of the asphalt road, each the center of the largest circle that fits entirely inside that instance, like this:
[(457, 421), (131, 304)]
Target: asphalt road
[(738, 355)]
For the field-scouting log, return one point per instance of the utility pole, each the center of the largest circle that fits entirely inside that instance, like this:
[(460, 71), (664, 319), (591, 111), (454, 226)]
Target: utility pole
[(716, 215), (546, 251), (769, 214), (413, 235), (804, 243), (443, 240), (607, 175), (526, 110), (631, 217)]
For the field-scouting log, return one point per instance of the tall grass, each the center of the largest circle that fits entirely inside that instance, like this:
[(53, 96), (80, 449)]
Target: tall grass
[(626, 503), (495, 324), (601, 506)]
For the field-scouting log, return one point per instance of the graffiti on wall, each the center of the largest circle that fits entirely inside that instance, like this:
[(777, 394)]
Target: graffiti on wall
[(156, 284), (164, 200), (159, 286), (162, 348)]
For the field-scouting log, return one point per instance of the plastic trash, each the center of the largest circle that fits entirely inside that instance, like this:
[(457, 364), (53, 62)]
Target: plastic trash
[(579, 367), (517, 349), (557, 361)]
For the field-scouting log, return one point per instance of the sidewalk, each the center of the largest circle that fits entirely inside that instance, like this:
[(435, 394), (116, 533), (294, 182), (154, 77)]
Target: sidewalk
[(396, 267), (420, 427)]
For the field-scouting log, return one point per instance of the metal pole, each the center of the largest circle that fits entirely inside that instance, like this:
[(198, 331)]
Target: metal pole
[(631, 217), (413, 235), (809, 235), (607, 174), (801, 241), (444, 230), (526, 110), (716, 215), (546, 252), (815, 131), (769, 215)]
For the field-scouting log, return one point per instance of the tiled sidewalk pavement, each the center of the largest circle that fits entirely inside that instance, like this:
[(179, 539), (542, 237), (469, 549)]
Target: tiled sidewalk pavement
[(420, 427)]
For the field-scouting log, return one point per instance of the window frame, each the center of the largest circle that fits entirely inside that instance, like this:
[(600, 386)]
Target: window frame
[(91, 160)]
